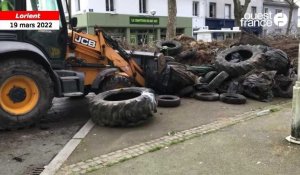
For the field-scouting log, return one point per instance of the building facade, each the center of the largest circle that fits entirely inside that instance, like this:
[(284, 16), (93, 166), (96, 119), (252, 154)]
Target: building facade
[(137, 21), (220, 14), (143, 21), (280, 6)]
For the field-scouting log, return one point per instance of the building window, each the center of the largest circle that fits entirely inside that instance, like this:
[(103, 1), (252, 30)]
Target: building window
[(77, 5), (110, 5), (212, 10), (278, 11), (227, 11), (195, 8), (266, 10), (253, 11), (143, 6)]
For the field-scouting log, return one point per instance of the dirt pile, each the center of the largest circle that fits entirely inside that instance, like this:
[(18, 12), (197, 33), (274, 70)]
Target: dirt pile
[(290, 45), (199, 52)]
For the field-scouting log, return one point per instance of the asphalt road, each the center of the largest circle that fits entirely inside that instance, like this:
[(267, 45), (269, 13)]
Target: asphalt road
[(23, 151)]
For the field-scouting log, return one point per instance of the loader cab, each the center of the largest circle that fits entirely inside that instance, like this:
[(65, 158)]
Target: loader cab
[(53, 43)]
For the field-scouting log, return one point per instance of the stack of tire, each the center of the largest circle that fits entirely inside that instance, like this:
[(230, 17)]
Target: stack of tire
[(232, 68), (242, 61), (234, 65), (208, 89)]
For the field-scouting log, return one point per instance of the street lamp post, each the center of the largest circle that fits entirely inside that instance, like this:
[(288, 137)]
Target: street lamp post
[(153, 13), (295, 131)]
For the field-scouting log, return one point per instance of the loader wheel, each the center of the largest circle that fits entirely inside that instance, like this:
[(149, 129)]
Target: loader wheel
[(123, 107), (26, 93), (115, 82)]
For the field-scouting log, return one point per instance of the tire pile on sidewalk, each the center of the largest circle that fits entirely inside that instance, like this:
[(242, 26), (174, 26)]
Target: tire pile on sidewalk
[(259, 72), (205, 71)]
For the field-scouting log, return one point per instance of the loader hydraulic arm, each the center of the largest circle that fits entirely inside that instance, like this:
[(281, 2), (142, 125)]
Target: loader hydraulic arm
[(101, 49)]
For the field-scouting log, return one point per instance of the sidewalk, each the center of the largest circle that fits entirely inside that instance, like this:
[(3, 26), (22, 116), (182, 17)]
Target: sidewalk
[(222, 148), (253, 147)]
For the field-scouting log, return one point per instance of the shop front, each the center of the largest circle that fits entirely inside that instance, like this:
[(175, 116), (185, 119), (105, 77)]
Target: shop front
[(135, 30)]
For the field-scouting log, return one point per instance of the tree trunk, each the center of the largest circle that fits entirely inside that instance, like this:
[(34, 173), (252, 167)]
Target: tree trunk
[(288, 29), (172, 12), (292, 5), (239, 11)]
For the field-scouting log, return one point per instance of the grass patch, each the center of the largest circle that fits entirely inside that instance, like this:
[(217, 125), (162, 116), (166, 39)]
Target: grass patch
[(155, 149), (274, 110), (91, 170), (177, 141), (125, 159)]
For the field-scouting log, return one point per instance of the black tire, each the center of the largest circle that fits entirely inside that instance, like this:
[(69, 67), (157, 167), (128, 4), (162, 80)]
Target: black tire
[(174, 47), (115, 82), (278, 60), (188, 54), (218, 80), (284, 91), (186, 92), (202, 87), (123, 107), (207, 96), (288, 93), (170, 59), (209, 77), (168, 101), (233, 98), (264, 48), (251, 58), (28, 68), (283, 81), (85, 93)]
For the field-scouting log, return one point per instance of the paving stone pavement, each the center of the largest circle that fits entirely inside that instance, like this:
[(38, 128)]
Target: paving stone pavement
[(125, 154)]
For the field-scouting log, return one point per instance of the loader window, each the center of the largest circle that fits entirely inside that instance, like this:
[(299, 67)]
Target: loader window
[(7, 5), (41, 5), (53, 42)]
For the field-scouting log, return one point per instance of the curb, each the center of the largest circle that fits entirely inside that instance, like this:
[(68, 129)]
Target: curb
[(115, 157), (67, 150)]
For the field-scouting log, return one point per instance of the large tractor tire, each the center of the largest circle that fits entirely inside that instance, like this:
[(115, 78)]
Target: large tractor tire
[(123, 107), (115, 82), (238, 60), (85, 93), (26, 93)]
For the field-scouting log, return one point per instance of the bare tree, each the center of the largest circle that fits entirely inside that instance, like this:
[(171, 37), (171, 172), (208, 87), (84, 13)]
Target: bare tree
[(240, 10), (292, 5), (172, 12)]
